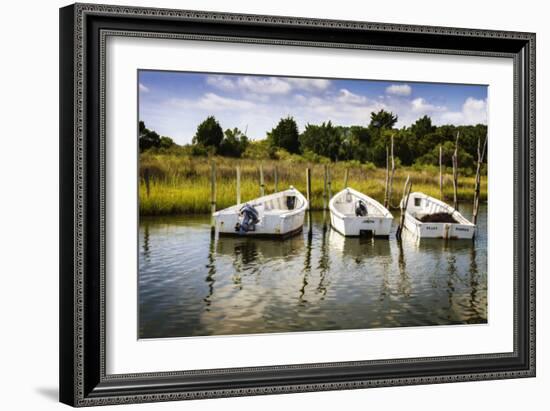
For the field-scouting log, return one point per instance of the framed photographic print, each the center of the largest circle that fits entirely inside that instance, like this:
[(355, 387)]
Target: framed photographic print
[(261, 204)]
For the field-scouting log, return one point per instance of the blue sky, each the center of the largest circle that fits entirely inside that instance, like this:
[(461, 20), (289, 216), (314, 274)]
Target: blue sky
[(175, 103)]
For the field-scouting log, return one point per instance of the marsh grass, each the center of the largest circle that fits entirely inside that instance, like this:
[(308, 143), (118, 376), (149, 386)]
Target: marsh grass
[(181, 184)]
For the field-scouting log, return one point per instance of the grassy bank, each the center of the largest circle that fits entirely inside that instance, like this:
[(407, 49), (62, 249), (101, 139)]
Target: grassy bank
[(181, 184)]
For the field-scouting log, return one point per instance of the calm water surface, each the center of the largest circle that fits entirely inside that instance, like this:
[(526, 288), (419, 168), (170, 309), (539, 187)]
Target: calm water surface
[(191, 284)]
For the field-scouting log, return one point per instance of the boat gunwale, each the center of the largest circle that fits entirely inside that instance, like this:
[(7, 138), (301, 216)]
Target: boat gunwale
[(452, 212), (230, 210), (386, 213)]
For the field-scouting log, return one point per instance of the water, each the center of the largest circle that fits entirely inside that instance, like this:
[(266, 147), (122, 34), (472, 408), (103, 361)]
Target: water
[(193, 285)]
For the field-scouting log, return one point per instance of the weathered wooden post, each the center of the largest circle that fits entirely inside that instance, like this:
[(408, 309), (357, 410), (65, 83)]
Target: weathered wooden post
[(403, 205), (276, 179), (146, 177), (441, 172), (329, 184), (480, 156), (308, 187), (212, 195), (387, 176), (455, 173), (238, 184), (262, 185), (346, 175), (390, 184), (325, 188)]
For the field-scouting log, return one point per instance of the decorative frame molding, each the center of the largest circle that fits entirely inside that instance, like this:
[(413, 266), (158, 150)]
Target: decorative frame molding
[(84, 29)]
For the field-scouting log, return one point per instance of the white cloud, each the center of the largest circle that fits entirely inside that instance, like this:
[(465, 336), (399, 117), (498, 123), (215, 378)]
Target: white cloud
[(420, 105), (212, 102), (250, 84), (221, 82), (143, 88), (310, 84), (473, 112), (346, 96), (266, 85), (399, 89)]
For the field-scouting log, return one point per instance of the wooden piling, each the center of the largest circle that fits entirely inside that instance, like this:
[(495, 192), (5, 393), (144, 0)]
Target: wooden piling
[(276, 179), (146, 177), (325, 188), (441, 172), (480, 156), (308, 187), (390, 183), (212, 195), (329, 184), (262, 185), (455, 173), (403, 205), (387, 176), (346, 175), (238, 170)]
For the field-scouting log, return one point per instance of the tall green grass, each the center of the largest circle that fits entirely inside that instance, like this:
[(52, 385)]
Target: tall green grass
[(181, 184)]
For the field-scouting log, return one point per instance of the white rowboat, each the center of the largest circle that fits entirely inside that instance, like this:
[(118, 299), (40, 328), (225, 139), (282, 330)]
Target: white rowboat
[(278, 214), (354, 214), (422, 206)]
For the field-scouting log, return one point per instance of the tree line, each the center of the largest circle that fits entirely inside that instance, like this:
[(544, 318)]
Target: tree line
[(416, 144)]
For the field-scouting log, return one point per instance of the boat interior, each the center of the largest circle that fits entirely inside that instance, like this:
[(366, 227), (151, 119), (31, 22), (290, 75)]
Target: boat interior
[(346, 203), (279, 204), (427, 211)]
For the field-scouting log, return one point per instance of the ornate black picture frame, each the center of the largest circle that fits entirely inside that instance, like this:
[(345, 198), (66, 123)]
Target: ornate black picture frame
[(83, 30)]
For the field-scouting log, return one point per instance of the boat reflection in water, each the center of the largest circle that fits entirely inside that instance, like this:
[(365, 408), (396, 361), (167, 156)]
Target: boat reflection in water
[(195, 284), (359, 248), (250, 250)]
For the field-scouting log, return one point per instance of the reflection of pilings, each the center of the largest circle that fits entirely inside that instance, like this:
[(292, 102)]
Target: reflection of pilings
[(146, 250), (451, 280), (324, 263), (245, 255), (210, 277), (307, 262), (474, 284), (404, 278)]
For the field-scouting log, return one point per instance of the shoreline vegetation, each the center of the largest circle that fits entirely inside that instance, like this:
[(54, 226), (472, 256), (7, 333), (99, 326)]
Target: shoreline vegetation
[(176, 179), (181, 184)]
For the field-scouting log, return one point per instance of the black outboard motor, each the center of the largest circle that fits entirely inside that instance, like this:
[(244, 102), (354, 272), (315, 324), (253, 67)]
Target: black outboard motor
[(249, 220), (290, 202), (360, 209)]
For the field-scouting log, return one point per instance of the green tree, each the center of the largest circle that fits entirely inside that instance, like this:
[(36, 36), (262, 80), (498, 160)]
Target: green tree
[(324, 140), (354, 143), (285, 135), (147, 138), (166, 142), (234, 143), (422, 126), (465, 159), (209, 133), (382, 119)]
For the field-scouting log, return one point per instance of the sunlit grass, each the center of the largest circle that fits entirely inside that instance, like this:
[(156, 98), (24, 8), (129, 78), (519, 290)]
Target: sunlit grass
[(181, 185)]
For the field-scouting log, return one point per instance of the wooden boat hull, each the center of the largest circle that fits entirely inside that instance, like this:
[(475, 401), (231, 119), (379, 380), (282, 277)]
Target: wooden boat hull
[(375, 224), (421, 204), (273, 222)]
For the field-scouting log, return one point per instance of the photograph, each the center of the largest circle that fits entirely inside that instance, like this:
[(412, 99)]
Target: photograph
[(291, 201), (284, 204)]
